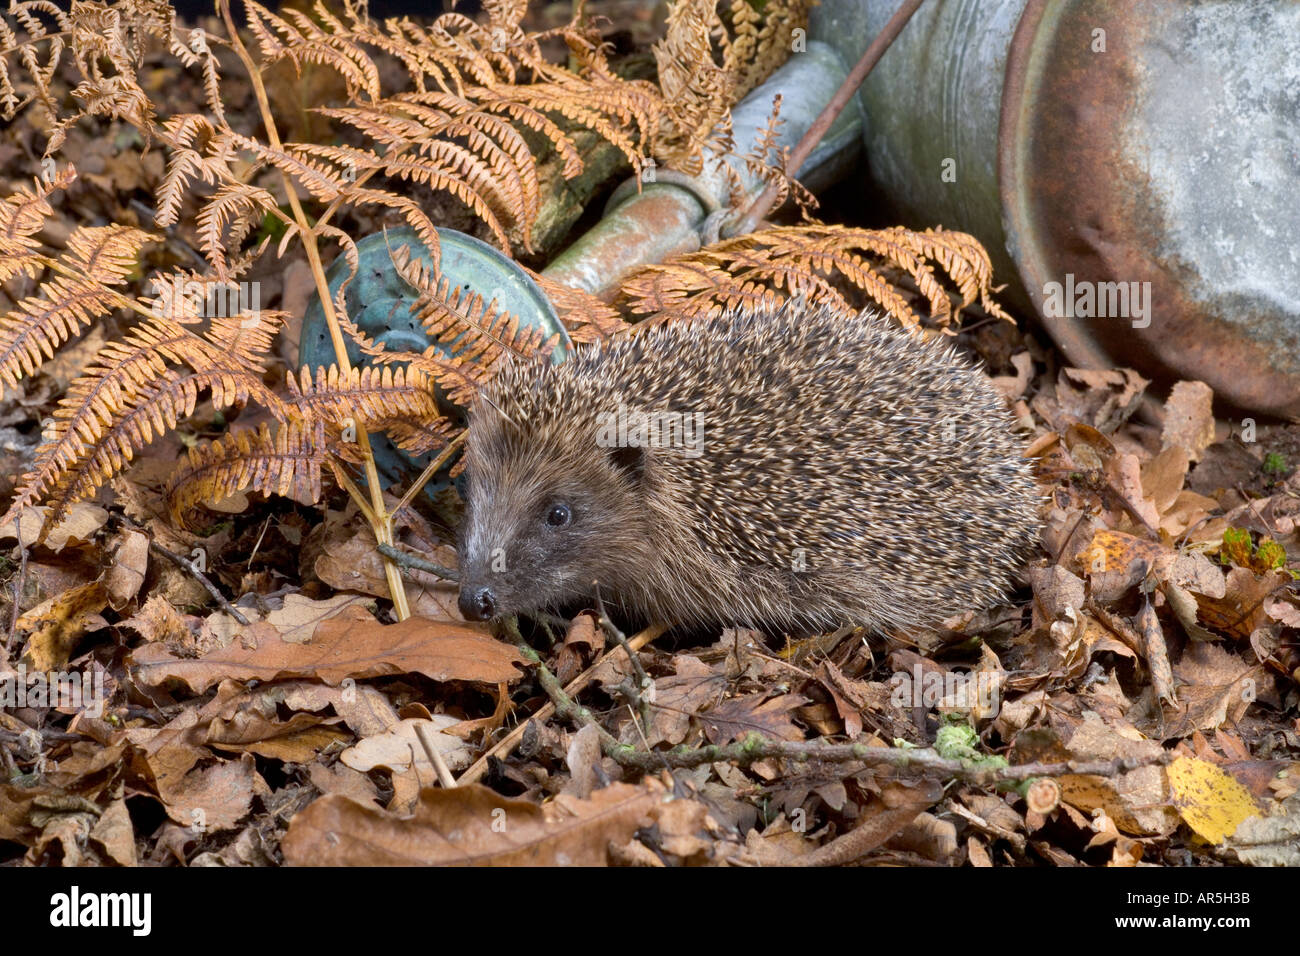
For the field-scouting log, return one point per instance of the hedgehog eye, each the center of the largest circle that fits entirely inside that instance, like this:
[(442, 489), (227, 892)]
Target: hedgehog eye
[(558, 515)]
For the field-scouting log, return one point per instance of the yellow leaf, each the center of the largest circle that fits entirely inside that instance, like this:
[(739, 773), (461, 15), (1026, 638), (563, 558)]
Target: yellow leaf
[(1210, 801)]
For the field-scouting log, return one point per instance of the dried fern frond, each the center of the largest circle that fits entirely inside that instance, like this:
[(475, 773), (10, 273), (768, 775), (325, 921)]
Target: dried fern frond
[(97, 258), (39, 51), (22, 215), (285, 462), (481, 106), (586, 317), (762, 42), (817, 262), (329, 43), (767, 163), (704, 69), (467, 335), (71, 468), (365, 397)]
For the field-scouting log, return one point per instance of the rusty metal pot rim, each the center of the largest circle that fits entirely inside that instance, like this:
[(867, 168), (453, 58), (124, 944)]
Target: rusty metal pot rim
[(1017, 95)]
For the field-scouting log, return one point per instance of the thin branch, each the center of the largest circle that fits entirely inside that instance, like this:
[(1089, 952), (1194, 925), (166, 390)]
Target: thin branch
[(402, 559), (643, 682), (756, 747), (575, 686), (827, 116), (185, 564)]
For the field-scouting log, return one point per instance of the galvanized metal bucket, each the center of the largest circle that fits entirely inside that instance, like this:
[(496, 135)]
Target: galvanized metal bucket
[(1133, 167)]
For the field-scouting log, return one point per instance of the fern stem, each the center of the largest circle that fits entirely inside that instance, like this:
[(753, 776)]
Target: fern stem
[(124, 300), (358, 496), (379, 519), (428, 473)]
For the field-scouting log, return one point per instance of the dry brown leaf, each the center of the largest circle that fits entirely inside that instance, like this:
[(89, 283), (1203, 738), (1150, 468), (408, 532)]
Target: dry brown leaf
[(679, 696), (583, 758), (1163, 477), (215, 797), (1103, 399), (900, 803), (363, 708), (81, 524), (1156, 653), (1138, 800), (59, 623), (1112, 552), (1125, 474), (126, 574), (734, 718), (470, 826), (115, 834), (157, 620), (581, 641), (350, 562), (300, 739), (342, 780), (1215, 687), (1241, 609), (353, 645), (928, 837), (1189, 418), (399, 748)]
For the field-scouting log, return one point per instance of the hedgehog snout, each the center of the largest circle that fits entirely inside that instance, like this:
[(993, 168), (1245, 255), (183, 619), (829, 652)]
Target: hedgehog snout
[(477, 603)]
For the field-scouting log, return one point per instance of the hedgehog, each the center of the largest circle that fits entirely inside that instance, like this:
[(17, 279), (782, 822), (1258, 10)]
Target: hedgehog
[(790, 468)]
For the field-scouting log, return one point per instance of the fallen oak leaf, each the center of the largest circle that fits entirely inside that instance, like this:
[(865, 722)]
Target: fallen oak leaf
[(471, 826), (1113, 551), (215, 797), (124, 577), (79, 526), (1189, 418), (296, 740), (1241, 609), (399, 745), (739, 716), (353, 644)]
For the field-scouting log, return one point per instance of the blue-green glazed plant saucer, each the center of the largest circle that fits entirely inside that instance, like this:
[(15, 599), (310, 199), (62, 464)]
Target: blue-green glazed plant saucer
[(379, 303)]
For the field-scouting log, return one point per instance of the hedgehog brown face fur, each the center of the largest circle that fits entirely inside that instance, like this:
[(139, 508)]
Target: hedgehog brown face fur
[(548, 514), (825, 468)]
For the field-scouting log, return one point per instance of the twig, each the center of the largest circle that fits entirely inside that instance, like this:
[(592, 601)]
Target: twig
[(20, 581), (185, 564), (756, 747), (511, 740), (644, 683), (435, 757), (759, 208), (261, 536), (405, 560), (566, 706)]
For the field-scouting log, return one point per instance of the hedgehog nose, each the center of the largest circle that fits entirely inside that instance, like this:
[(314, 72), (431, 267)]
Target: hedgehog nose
[(477, 604)]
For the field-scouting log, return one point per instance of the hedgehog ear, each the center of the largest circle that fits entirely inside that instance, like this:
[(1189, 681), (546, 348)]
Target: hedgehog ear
[(629, 459)]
